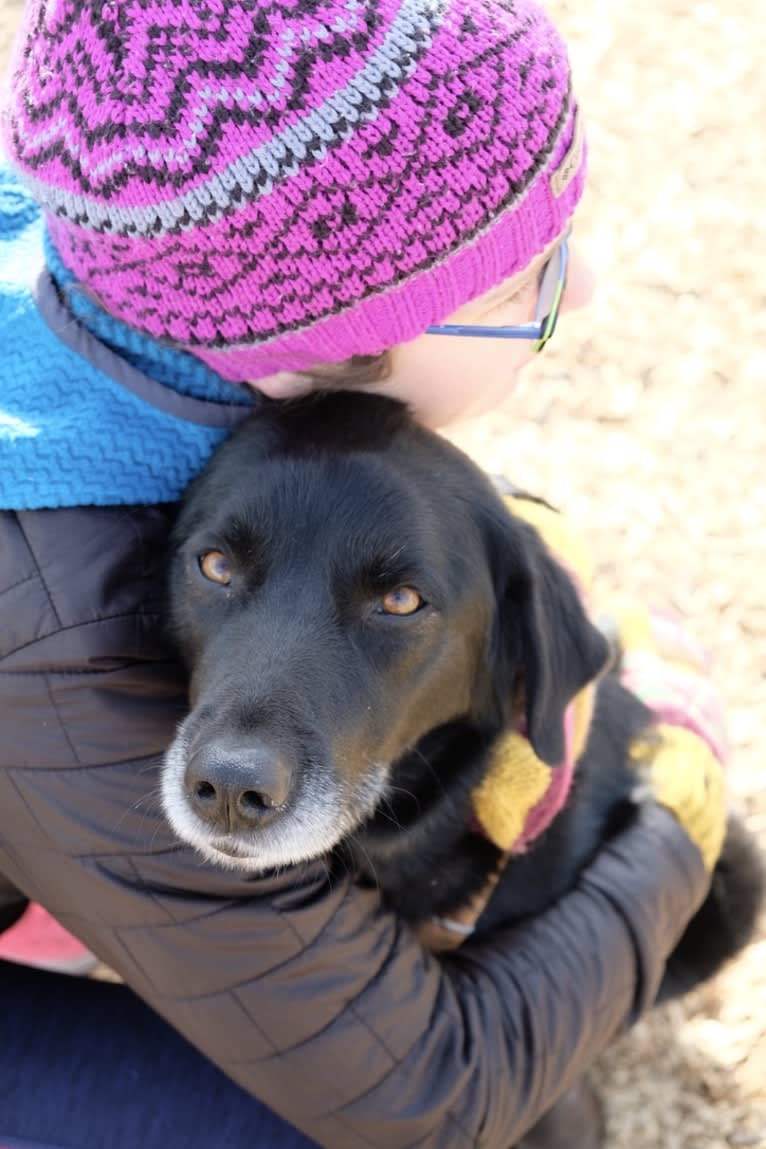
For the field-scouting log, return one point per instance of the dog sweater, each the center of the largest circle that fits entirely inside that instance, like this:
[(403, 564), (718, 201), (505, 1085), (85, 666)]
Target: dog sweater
[(682, 760), (520, 795)]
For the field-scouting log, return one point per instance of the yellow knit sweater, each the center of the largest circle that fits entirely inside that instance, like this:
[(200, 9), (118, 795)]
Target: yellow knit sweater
[(520, 795)]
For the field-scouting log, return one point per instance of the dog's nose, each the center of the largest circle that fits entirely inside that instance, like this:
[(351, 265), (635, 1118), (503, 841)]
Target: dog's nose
[(234, 786)]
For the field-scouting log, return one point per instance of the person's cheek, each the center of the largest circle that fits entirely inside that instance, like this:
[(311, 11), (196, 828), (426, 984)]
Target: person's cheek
[(283, 385)]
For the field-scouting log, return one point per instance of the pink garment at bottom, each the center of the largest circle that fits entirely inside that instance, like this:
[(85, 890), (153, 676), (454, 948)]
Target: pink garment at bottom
[(37, 939)]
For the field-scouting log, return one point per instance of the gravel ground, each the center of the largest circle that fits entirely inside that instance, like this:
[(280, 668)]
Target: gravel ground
[(646, 421)]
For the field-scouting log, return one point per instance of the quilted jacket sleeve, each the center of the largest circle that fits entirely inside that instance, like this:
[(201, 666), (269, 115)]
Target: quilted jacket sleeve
[(303, 991)]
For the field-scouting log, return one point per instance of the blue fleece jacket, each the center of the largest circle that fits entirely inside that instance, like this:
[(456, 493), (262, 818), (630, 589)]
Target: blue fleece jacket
[(91, 412)]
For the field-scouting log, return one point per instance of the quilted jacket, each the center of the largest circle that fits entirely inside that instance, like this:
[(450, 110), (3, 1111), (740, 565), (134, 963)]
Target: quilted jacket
[(308, 994)]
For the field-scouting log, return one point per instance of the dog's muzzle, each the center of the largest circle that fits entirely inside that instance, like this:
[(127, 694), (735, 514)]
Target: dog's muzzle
[(243, 804)]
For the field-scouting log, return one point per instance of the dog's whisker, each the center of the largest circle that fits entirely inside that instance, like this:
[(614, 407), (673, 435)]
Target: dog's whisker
[(405, 792), (327, 871), (390, 818), (152, 799), (340, 863), (434, 773), (360, 846)]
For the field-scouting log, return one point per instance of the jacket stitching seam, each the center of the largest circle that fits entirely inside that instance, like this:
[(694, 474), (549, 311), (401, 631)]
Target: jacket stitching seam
[(246, 1012), (302, 941), (40, 575), (350, 1006), (90, 766), (117, 934), (240, 985), (147, 890), (78, 626), (97, 857), (470, 1139), (305, 946), (61, 722), (25, 803), (126, 663), (397, 1063), (20, 582), (173, 924), (337, 1113)]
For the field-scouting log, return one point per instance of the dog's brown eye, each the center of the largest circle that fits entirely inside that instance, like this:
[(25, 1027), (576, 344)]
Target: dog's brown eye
[(403, 600), (215, 567)]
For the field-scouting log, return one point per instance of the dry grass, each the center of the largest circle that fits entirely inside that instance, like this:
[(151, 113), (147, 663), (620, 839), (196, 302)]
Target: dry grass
[(646, 420)]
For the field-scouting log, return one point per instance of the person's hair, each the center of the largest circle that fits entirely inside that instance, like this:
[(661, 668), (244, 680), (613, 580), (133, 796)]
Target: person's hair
[(357, 371)]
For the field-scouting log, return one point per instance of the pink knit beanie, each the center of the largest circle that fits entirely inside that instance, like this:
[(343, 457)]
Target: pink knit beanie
[(273, 184)]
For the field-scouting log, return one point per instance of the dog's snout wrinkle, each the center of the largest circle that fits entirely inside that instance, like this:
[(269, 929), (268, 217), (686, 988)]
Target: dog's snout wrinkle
[(233, 786)]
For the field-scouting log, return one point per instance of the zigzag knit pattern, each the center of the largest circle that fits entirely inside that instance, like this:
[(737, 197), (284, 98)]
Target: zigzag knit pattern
[(69, 434), (235, 176)]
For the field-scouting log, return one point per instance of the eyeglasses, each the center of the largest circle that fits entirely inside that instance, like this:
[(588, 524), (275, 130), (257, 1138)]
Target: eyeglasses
[(553, 280)]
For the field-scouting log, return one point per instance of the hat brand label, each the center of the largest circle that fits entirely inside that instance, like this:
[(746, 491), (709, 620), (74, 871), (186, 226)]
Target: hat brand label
[(570, 165)]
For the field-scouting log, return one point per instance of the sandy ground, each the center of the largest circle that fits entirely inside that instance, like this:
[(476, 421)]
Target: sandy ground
[(646, 420)]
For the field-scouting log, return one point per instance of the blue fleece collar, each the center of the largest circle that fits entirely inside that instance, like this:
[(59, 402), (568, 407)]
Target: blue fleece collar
[(91, 412)]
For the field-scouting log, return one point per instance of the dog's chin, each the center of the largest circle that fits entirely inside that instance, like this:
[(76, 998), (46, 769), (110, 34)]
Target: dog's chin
[(326, 810)]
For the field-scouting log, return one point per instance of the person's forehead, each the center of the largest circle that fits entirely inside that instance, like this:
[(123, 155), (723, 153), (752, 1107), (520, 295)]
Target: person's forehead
[(513, 283)]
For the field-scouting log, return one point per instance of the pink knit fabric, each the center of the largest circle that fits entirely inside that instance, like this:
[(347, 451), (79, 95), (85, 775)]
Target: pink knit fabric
[(678, 695), (272, 186), (554, 799), (679, 691)]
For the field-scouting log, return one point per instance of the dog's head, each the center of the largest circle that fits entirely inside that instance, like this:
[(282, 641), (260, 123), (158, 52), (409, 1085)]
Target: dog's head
[(342, 584)]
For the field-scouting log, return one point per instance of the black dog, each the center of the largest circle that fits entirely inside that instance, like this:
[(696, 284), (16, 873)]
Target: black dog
[(362, 618)]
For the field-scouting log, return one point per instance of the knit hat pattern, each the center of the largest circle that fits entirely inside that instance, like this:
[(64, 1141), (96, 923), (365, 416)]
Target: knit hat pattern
[(273, 184)]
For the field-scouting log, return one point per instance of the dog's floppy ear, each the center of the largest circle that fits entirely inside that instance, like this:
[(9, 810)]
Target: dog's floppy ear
[(545, 641)]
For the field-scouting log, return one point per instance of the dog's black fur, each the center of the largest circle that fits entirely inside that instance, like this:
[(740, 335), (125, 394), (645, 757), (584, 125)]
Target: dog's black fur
[(380, 726)]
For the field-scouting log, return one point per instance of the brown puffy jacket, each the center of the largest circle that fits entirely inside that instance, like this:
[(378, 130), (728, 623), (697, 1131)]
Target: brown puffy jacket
[(308, 995)]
